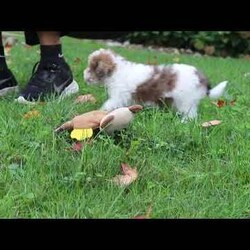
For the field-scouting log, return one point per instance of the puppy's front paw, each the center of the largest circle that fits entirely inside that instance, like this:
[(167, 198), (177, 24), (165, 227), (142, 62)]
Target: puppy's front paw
[(108, 106)]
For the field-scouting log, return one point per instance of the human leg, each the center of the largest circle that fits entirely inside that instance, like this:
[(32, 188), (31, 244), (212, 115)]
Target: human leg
[(8, 81), (52, 75)]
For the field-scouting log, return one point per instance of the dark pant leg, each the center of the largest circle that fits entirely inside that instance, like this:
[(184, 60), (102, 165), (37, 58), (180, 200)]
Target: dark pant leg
[(98, 34), (31, 37)]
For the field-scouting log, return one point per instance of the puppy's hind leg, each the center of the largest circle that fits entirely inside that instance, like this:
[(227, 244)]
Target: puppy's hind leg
[(191, 114)]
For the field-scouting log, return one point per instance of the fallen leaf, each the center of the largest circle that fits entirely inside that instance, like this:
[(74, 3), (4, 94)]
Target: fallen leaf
[(77, 60), (211, 123), (219, 103), (31, 114), (232, 103), (85, 98), (140, 217), (129, 176), (81, 134), (146, 216)]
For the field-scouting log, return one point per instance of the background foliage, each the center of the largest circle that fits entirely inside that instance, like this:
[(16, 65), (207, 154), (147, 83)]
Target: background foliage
[(217, 43)]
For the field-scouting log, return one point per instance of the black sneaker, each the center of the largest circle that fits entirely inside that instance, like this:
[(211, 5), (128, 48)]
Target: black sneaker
[(49, 78), (8, 84)]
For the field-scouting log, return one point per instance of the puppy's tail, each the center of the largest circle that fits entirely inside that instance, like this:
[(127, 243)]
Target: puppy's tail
[(217, 91)]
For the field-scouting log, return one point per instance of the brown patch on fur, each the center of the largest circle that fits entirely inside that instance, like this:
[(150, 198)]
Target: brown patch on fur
[(102, 65), (152, 90)]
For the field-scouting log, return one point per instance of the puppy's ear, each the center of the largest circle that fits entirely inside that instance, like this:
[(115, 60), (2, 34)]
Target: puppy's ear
[(104, 69), (103, 65)]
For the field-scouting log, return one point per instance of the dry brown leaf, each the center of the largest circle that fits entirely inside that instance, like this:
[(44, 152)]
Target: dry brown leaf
[(211, 123), (85, 98), (232, 103), (129, 176), (77, 60), (141, 217), (219, 103), (31, 114)]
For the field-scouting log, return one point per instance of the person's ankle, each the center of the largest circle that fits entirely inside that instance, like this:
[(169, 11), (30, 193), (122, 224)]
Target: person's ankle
[(52, 53)]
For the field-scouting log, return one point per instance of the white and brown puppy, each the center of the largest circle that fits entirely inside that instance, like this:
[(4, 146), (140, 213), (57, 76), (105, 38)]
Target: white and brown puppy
[(128, 83)]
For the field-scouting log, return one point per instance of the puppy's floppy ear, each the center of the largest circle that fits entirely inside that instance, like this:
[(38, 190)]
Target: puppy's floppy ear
[(104, 69), (103, 65)]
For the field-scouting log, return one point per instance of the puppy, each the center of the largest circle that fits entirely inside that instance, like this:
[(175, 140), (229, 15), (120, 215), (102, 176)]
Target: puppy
[(128, 83)]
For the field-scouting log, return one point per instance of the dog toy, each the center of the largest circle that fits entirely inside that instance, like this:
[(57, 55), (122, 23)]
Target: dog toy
[(82, 126), (119, 118), (87, 120), (81, 133)]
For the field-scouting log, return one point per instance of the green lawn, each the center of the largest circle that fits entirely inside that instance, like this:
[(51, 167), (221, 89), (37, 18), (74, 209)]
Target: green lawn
[(185, 171)]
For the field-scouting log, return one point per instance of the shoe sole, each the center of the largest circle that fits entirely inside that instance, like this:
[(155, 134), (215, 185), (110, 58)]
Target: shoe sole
[(8, 90), (71, 89)]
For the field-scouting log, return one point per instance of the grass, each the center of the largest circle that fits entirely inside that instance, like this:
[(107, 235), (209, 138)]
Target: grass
[(185, 171)]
